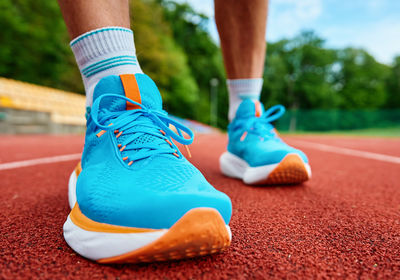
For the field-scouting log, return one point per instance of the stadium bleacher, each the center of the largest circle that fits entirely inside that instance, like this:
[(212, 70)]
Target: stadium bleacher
[(28, 108)]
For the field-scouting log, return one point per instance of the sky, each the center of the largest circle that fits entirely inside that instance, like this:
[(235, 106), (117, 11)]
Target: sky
[(370, 24)]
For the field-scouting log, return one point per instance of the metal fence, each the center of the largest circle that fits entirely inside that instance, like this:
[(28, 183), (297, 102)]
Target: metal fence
[(327, 120)]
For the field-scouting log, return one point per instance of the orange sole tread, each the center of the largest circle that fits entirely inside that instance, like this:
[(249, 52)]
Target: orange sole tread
[(199, 232), (291, 170)]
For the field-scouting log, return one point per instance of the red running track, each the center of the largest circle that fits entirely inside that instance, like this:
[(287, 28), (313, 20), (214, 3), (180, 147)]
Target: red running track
[(344, 223)]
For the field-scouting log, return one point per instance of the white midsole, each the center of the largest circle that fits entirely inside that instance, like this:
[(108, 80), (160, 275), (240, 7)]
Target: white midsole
[(98, 245), (235, 167), (72, 189)]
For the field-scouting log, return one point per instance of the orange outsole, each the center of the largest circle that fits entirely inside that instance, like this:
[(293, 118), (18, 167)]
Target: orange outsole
[(199, 232), (83, 222), (291, 170), (78, 169)]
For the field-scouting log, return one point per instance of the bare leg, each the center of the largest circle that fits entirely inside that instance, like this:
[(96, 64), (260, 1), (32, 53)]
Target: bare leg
[(84, 15), (242, 25)]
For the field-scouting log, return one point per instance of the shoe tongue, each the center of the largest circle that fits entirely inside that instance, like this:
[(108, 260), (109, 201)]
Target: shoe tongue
[(249, 108), (138, 87)]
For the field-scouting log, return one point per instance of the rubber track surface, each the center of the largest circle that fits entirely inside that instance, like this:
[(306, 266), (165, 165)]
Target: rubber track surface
[(344, 223)]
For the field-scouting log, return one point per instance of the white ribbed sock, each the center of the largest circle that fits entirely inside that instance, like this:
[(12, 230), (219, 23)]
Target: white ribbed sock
[(103, 52), (240, 89)]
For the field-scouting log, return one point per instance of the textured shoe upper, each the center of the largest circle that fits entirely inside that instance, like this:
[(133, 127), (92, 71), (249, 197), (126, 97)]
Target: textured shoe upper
[(253, 138), (132, 173)]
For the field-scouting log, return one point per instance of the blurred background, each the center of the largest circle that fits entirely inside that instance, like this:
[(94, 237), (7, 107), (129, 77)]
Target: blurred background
[(335, 65)]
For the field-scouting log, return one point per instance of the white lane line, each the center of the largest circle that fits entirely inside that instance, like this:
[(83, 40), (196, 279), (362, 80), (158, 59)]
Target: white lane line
[(346, 151), (37, 161)]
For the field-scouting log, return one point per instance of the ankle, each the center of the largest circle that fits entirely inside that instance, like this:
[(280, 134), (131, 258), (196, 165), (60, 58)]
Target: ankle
[(241, 89), (103, 52)]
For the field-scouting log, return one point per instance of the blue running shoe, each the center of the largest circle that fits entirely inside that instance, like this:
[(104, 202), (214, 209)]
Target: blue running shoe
[(136, 198), (256, 154)]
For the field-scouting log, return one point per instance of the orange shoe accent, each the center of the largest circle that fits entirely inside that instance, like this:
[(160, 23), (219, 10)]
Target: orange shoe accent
[(169, 142), (78, 169), (199, 232), (243, 136), (258, 108), (100, 133), (85, 223), (291, 170), (188, 151), (131, 90)]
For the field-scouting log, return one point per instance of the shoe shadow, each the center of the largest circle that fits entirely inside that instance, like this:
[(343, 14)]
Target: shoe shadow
[(173, 267)]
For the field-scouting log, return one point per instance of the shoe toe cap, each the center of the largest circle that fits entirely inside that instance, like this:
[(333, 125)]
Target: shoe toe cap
[(127, 203)]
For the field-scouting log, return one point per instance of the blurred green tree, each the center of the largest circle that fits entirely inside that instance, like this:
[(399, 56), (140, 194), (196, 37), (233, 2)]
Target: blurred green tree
[(298, 73), (360, 81), (393, 85), (34, 45), (162, 58), (175, 49), (204, 57)]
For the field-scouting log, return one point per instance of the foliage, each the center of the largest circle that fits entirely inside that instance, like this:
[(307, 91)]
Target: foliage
[(175, 49), (298, 73), (361, 80), (204, 56), (34, 44), (393, 85), (302, 73), (162, 58)]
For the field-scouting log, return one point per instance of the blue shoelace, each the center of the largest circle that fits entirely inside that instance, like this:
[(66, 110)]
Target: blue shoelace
[(132, 124), (262, 125)]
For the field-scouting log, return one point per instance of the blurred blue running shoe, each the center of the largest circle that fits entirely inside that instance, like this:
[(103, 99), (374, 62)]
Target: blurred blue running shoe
[(255, 152)]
